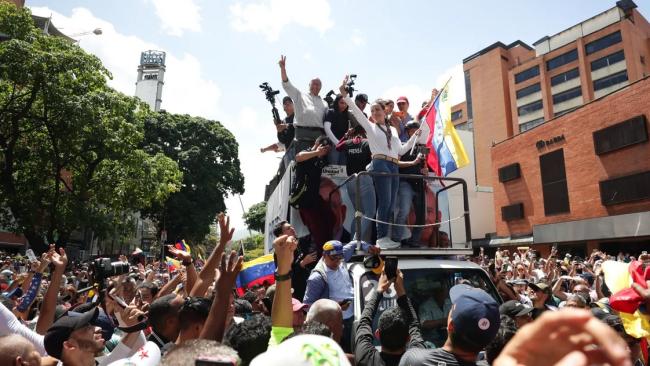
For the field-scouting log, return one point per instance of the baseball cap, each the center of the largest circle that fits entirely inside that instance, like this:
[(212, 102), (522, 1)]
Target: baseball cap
[(333, 247), (61, 330), (297, 305), (373, 263), (541, 286), (520, 281), (7, 272), (403, 99), (475, 314), (287, 99), (514, 308), (303, 350), (361, 97)]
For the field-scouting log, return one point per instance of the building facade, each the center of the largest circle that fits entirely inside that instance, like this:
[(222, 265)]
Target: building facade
[(151, 78), (582, 178), (513, 88)]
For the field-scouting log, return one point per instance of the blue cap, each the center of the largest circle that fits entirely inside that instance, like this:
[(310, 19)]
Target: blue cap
[(333, 247), (475, 314)]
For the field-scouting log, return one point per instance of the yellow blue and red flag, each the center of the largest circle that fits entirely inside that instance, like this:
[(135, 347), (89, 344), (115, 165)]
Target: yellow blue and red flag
[(254, 272), (447, 152), (181, 245)]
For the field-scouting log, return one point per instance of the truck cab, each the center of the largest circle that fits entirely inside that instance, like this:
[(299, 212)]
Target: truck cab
[(427, 280)]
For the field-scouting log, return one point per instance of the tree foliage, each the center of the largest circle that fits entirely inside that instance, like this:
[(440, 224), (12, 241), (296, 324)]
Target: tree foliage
[(207, 154), (255, 217), (69, 144)]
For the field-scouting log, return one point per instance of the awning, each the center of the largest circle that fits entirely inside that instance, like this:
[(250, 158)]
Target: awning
[(601, 228), (499, 242)]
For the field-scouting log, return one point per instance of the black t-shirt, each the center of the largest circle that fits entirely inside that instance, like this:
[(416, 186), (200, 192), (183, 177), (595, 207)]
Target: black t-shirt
[(358, 155), (434, 357), (415, 169), (340, 122), (305, 187), (287, 135)]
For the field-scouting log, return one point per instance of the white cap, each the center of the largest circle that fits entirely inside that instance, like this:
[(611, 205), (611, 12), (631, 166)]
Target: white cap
[(303, 350), (147, 355)]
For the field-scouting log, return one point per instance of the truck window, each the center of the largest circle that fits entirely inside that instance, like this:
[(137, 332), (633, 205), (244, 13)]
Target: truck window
[(428, 289)]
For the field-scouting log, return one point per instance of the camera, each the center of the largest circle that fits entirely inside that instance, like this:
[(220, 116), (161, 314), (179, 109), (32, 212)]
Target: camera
[(329, 99), (270, 96), (349, 87), (104, 268)]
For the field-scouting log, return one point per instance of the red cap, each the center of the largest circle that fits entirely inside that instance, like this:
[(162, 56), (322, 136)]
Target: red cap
[(297, 305), (403, 99)]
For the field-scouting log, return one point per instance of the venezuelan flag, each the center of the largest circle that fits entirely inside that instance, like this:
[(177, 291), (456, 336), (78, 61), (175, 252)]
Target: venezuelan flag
[(256, 272), (447, 152), (172, 264), (619, 278), (181, 245)]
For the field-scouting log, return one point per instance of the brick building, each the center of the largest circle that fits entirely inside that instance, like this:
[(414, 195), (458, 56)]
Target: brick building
[(582, 178), (515, 87)]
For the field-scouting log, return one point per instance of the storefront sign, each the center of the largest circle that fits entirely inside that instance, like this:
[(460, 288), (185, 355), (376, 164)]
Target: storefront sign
[(545, 143)]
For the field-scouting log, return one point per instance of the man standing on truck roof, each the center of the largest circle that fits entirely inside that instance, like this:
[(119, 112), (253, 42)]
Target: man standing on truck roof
[(331, 279)]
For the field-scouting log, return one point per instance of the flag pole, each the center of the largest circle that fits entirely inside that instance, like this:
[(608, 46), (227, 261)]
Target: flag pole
[(250, 233), (431, 106)]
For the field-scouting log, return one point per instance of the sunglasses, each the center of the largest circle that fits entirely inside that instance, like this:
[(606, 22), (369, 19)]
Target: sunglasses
[(337, 257)]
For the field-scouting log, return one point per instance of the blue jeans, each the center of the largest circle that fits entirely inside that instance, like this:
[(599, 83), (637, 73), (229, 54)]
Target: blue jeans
[(405, 196), (335, 157), (386, 190), (368, 204)]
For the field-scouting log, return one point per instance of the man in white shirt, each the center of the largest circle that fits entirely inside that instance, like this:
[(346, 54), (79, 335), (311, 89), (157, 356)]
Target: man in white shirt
[(310, 109)]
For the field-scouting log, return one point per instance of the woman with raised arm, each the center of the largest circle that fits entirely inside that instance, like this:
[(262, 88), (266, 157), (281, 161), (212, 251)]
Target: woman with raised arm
[(386, 148)]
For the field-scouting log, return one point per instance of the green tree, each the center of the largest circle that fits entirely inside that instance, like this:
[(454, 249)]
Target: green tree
[(256, 216), (207, 154), (69, 144)]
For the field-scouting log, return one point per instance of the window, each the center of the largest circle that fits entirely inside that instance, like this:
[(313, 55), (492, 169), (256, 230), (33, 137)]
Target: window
[(528, 90), (554, 186), (565, 76), (607, 60), (565, 111), (602, 43), (456, 114), (512, 212), (630, 188), (529, 108), (527, 74), (509, 172), (620, 135), (610, 80), (468, 95), (567, 95), (562, 59), (528, 125)]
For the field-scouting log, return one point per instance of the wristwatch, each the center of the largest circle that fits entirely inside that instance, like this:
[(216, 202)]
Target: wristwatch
[(284, 277)]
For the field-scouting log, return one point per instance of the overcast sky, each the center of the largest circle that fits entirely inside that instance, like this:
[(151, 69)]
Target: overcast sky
[(218, 52)]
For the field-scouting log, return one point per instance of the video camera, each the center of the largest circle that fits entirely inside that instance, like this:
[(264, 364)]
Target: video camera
[(270, 96), (349, 87), (329, 99), (104, 268)]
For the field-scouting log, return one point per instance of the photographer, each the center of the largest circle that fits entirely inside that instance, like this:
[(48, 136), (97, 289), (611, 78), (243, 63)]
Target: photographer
[(309, 108), (337, 123), (315, 213), (410, 193)]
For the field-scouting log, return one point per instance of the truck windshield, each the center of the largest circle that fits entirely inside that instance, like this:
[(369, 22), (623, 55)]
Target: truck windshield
[(428, 290)]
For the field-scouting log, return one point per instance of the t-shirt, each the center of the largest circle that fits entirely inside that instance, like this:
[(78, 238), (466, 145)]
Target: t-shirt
[(434, 357), (340, 122), (340, 288), (358, 155)]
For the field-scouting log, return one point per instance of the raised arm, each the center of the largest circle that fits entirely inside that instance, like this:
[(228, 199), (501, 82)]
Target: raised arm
[(206, 276), (404, 303), (291, 90), (46, 316), (215, 324), (282, 313), (186, 260), (363, 342), (352, 107)]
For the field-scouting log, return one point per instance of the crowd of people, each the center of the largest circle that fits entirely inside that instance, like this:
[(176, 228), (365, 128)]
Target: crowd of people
[(315, 134), (136, 312)]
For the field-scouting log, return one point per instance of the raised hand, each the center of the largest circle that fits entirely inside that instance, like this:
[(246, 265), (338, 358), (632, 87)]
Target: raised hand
[(230, 267), (181, 255), (225, 232), (384, 283), (60, 259), (309, 259), (343, 87), (284, 248), (283, 61)]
